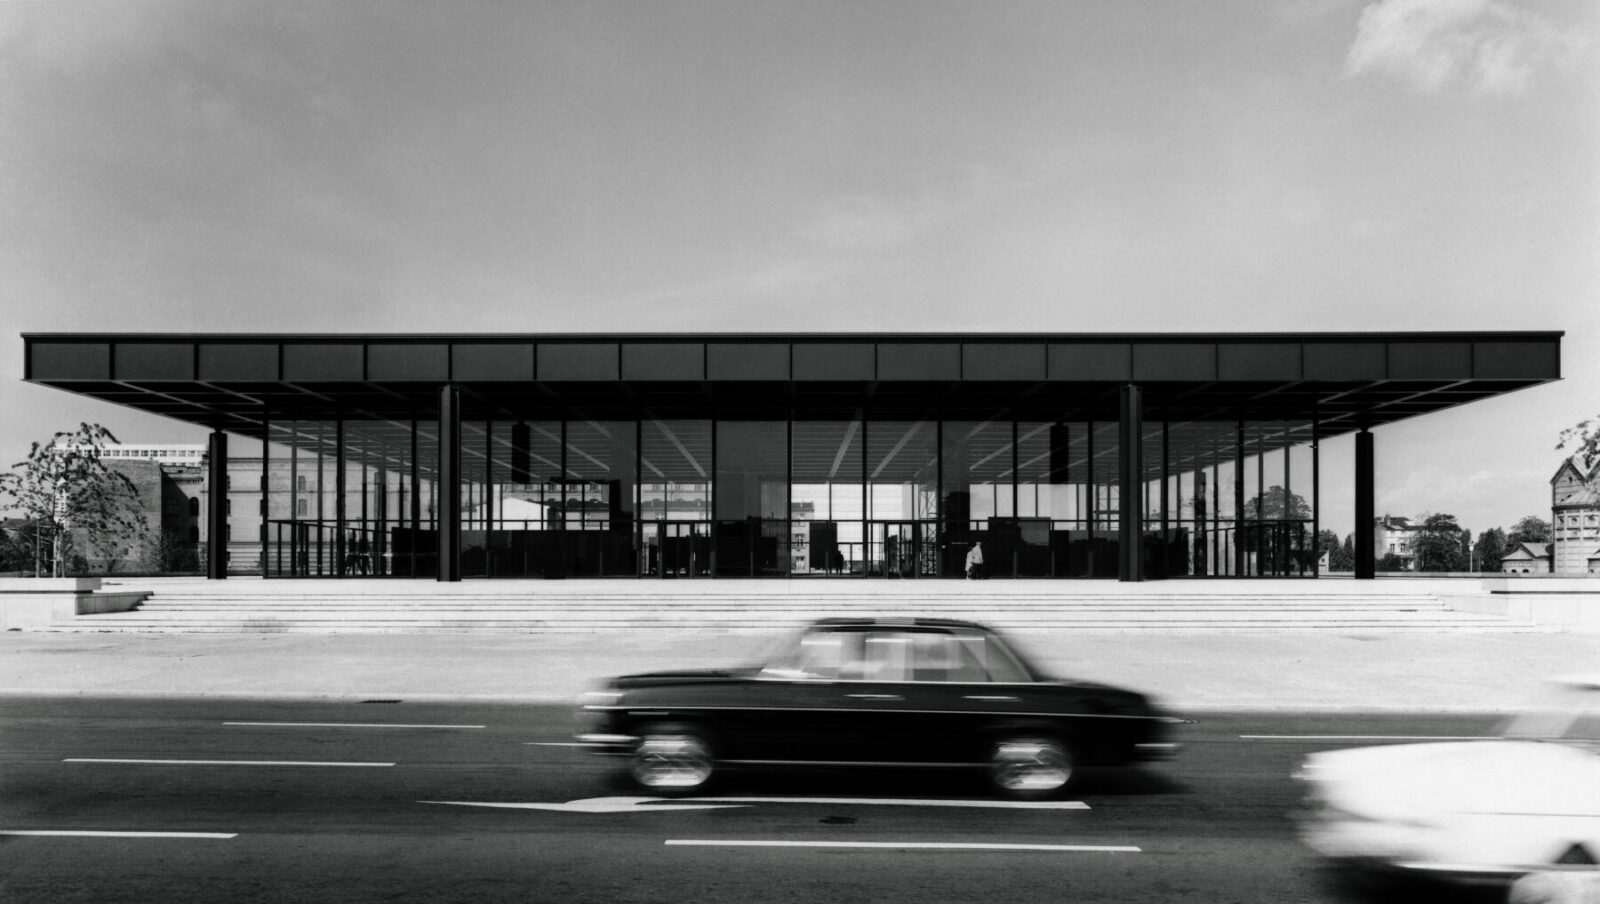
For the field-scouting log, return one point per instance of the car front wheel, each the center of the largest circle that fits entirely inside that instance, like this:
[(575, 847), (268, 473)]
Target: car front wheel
[(1031, 768), (672, 759)]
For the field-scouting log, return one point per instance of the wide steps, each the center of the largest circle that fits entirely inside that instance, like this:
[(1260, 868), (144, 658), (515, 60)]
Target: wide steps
[(593, 607)]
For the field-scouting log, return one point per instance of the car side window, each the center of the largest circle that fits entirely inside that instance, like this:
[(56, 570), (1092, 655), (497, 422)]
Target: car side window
[(944, 657), (818, 655), (882, 656), (837, 656), (895, 655)]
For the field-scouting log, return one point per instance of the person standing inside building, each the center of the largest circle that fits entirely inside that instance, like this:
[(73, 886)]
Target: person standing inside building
[(975, 562)]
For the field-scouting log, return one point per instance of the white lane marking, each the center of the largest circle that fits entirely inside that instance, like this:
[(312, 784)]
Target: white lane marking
[(344, 725), (641, 804), (899, 802), (143, 762), (557, 744), (1353, 737), (913, 845), (592, 805), (73, 833)]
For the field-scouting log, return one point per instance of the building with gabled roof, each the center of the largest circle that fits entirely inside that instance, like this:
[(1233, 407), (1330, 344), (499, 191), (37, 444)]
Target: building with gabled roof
[(1527, 558), (1575, 517)]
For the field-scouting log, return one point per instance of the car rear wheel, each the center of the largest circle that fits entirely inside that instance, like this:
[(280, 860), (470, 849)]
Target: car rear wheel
[(672, 759), (1031, 768)]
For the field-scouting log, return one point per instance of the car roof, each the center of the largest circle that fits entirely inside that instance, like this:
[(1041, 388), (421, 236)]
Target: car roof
[(897, 621)]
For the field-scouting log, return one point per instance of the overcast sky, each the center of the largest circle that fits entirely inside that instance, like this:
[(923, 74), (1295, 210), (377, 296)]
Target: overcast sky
[(865, 165)]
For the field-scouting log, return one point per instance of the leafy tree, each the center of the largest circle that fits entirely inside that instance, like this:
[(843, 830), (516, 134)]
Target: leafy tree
[(1531, 529), (1490, 549), (1328, 542), (1438, 545), (1391, 562), (16, 549), (1584, 437), (1344, 555), (1283, 546), (67, 492), (1277, 504), (169, 553)]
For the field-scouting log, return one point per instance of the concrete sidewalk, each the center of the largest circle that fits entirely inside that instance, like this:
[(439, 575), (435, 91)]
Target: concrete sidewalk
[(1189, 672)]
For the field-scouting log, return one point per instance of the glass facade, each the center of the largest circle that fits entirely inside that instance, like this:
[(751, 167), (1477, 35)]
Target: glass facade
[(868, 494)]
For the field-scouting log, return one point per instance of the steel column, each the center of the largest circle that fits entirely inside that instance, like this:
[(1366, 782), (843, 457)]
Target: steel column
[(1130, 510), (449, 510), (217, 506), (1366, 542)]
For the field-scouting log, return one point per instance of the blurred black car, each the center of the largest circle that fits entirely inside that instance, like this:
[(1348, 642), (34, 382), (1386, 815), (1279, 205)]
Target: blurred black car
[(902, 693)]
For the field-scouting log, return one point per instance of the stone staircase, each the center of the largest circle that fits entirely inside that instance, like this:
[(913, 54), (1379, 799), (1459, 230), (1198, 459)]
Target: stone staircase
[(252, 605)]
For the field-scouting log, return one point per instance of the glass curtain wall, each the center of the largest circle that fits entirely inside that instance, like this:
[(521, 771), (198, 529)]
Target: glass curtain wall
[(675, 471), (376, 478), (524, 508), (363, 509), (903, 530), (1241, 499), (602, 485), (1277, 526), (1202, 462), (478, 491), (1052, 503), (978, 474), (302, 522), (827, 498), (855, 494), (1105, 512), (752, 498)]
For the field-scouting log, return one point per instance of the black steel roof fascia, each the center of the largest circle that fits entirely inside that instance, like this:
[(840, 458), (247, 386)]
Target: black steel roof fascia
[(1190, 337)]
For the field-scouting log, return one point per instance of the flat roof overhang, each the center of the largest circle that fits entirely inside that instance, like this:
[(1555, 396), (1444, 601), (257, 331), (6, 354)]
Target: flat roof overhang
[(239, 382)]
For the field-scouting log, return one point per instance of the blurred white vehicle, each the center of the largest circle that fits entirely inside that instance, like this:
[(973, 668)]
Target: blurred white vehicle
[(1489, 810)]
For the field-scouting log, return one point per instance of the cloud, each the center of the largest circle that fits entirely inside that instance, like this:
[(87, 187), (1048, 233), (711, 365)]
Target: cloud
[(1483, 47)]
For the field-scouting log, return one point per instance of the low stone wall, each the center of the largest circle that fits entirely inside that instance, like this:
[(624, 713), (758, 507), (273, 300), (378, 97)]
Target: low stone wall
[(1558, 602), (30, 603)]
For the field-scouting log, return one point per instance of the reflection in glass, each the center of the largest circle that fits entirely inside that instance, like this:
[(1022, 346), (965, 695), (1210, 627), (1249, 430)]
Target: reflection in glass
[(826, 498), (752, 498), (675, 497)]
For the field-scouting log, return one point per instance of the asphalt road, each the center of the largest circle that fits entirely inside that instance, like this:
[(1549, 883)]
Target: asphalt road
[(241, 801)]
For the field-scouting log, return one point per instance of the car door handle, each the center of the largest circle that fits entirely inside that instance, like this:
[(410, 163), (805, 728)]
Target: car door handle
[(874, 696), (987, 698)]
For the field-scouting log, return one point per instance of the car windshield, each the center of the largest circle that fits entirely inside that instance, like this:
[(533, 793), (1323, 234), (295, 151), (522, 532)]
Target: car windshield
[(879, 653), (1570, 713)]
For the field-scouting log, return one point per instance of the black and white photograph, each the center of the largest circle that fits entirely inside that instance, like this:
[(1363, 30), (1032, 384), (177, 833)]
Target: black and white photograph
[(799, 451)]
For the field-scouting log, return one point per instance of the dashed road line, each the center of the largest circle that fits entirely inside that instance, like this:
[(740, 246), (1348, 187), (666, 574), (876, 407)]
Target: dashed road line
[(657, 804), (90, 833), (346, 725), (910, 845), (153, 762), (903, 802), (1311, 737)]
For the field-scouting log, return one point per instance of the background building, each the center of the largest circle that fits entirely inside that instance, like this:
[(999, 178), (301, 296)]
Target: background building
[(1575, 518), (1393, 535), (1527, 558)]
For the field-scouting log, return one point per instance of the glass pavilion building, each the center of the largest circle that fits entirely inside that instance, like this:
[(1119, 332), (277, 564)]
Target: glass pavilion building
[(833, 456)]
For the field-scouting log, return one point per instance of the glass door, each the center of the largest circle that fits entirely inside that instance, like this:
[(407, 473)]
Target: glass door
[(902, 549), (677, 549)]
